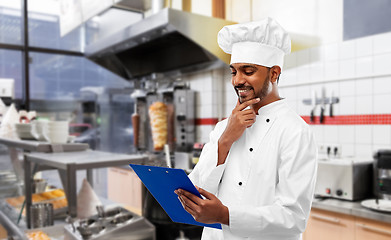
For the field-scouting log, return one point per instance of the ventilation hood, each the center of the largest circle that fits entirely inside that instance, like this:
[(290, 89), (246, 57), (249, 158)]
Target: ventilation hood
[(168, 41)]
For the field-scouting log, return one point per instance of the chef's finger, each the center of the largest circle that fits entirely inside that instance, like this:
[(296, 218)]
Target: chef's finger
[(186, 207), (237, 103), (249, 123), (191, 197), (206, 194), (181, 201), (189, 204), (247, 103), (243, 115), (248, 112), (191, 211), (247, 115)]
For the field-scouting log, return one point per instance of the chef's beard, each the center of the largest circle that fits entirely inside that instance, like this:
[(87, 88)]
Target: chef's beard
[(265, 90)]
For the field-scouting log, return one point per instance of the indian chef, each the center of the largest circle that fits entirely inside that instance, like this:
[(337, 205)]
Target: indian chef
[(257, 172)]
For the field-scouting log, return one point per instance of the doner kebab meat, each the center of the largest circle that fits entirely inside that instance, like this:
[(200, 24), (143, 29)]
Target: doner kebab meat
[(158, 121)]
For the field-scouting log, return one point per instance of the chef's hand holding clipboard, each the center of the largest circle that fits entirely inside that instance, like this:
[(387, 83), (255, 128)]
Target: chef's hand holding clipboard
[(208, 210)]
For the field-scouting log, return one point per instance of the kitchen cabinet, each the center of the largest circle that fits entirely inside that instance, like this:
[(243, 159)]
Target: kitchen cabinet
[(368, 229), (125, 187), (325, 225)]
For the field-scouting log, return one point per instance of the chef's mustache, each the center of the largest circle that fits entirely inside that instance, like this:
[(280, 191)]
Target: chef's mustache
[(242, 87)]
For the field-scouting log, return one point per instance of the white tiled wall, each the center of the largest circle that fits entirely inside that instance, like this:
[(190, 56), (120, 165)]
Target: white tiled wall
[(203, 133), (357, 71), (210, 98)]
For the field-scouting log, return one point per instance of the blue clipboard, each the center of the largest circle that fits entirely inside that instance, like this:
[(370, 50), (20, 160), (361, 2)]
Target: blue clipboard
[(161, 183)]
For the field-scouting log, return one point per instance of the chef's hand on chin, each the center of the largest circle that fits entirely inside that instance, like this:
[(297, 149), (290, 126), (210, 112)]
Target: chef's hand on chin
[(239, 120), (208, 210)]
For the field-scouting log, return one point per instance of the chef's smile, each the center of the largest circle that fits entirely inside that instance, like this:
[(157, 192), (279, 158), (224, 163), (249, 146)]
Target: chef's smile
[(244, 92)]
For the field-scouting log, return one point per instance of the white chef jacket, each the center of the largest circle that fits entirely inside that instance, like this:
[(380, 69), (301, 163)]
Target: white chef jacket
[(268, 179)]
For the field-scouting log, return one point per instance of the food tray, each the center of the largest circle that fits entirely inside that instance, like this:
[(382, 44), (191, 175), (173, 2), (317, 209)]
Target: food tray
[(55, 232), (56, 197)]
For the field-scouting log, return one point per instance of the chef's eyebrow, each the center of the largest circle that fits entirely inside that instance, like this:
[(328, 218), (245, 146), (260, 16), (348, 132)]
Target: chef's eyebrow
[(244, 67)]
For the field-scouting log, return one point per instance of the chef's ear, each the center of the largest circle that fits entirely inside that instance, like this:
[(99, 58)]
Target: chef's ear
[(275, 72)]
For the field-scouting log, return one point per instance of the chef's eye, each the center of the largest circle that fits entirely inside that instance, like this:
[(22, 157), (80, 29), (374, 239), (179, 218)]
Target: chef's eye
[(248, 73), (233, 73)]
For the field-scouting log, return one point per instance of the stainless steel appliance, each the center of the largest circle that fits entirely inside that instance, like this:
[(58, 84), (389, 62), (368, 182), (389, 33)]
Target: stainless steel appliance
[(116, 223), (348, 179), (162, 43), (184, 102), (180, 102), (382, 174), (140, 128), (142, 131)]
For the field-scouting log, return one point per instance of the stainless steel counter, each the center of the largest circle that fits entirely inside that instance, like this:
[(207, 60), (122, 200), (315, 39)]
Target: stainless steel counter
[(350, 208), (9, 219), (35, 146), (38, 146)]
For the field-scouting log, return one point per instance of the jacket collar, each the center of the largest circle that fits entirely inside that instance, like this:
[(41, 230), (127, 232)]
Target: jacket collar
[(271, 108)]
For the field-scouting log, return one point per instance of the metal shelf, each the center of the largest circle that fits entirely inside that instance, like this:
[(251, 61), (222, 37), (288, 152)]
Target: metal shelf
[(67, 164), (38, 146)]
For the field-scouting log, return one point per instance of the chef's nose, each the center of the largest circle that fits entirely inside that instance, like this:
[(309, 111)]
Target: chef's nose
[(238, 79)]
